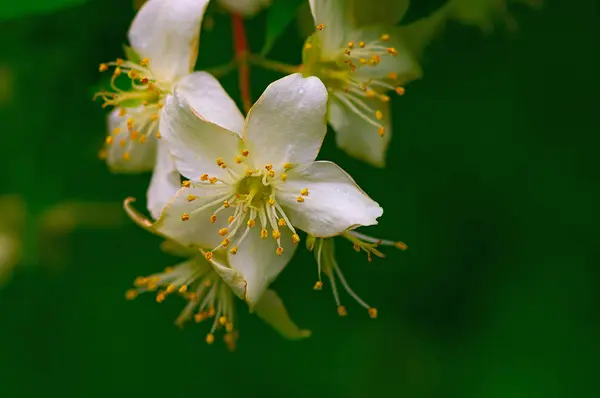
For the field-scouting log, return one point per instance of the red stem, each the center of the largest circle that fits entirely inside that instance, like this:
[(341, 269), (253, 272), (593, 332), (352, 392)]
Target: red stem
[(241, 50)]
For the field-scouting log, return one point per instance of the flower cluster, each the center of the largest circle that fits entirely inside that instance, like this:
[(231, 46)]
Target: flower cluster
[(235, 195)]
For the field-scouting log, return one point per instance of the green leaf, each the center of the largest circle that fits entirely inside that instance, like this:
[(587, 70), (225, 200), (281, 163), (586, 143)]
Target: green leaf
[(279, 16), (16, 9)]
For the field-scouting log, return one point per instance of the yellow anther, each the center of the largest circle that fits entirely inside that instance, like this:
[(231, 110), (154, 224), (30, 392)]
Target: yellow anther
[(102, 154), (239, 159), (295, 239), (186, 184), (276, 234), (341, 310), (264, 233), (385, 37), (126, 156), (269, 167), (211, 310), (271, 173), (132, 74), (399, 90), (281, 222), (347, 51), (375, 60), (185, 217), (210, 338), (160, 297), (154, 117), (212, 180), (392, 51), (208, 256), (251, 223), (300, 199), (378, 115), (134, 135), (109, 140), (381, 131), (117, 71), (144, 80), (362, 61), (287, 166), (249, 172), (122, 112), (318, 285), (373, 312), (223, 231), (225, 204), (350, 44), (225, 242), (230, 219), (401, 245), (279, 251), (320, 26), (220, 161), (158, 136), (229, 327), (271, 201), (283, 177), (171, 288), (145, 61), (233, 250), (131, 293), (308, 46), (304, 192), (130, 124), (103, 68), (245, 152), (213, 218), (191, 198), (140, 281), (371, 93), (361, 44), (384, 98), (183, 289), (116, 131), (393, 75), (199, 317), (142, 139), (204, 177), (223, 320), (122, 142)]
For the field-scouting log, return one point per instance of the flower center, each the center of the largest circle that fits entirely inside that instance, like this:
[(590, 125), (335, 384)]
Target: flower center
[(345, 78), (139, 97), (253, 199), (208, 296)]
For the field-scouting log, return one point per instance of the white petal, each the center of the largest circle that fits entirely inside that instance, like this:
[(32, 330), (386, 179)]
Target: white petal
[(405, 64), (335, 16), (390, 12), (357, 137), (245, 7), (167, 32), (210, 101), (125, 155), (270, 309), (334, 202), (287, 123), (258, 264), (195, 143), (198, 229), (165, 181)]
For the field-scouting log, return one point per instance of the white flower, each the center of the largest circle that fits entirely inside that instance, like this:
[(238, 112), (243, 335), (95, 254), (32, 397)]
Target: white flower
[(209, 297), (164, 38), (358, 66), (245, 7), (324, 252), (251, 187)]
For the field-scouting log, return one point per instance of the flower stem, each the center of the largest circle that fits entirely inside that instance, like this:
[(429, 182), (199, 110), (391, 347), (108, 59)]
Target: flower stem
[(273, 65), (241, 51), (222, 70)]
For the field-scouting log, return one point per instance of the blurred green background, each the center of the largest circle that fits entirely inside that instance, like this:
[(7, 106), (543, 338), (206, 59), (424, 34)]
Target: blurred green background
[(492, 181)]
